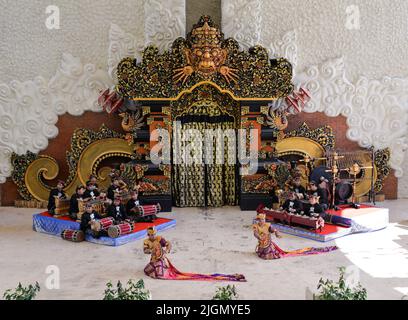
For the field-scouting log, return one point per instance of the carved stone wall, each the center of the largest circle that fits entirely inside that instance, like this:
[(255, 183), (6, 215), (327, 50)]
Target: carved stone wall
[(350, 56), (47, 73)]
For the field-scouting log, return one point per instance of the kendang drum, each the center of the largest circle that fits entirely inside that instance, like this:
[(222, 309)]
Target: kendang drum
[(344, 191), (73, 235), (115, 231), (148, 211), (102, 224)]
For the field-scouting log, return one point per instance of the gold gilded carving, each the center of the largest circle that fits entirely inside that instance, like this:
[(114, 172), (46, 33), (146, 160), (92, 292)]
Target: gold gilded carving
[(98, 150), (206, 56)]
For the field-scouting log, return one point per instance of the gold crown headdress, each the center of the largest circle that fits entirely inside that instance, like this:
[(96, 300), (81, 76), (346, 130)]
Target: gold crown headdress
[(151, 231), (261, 216), (205, 35)]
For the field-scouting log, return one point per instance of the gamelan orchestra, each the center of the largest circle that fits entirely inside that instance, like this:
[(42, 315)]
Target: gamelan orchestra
[(119, 182)]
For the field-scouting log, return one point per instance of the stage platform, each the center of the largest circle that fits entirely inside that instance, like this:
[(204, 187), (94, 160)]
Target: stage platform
[(45, 223), (366, 219)]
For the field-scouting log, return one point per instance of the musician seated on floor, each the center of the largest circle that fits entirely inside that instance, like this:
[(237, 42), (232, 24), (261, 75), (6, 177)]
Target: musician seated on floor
[(298, 189), (57, 192), (313, 208), (94, 181), (73, 202), (292, 204), (314, 190), (104, 199), (133, 203), (91, 191), (114, 189), (88, 218), (117, 211)]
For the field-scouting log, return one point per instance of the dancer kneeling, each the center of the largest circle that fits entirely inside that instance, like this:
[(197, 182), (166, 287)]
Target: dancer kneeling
[(268, 250), (160, 266)]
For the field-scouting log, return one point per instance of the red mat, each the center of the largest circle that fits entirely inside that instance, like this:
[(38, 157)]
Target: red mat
[(139, 226)]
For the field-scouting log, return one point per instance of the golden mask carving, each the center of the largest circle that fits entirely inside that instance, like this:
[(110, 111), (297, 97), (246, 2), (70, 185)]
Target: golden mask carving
[(206, 56)]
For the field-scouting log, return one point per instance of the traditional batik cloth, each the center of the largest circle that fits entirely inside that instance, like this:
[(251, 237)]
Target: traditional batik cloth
[(160, 266), (267, 249)]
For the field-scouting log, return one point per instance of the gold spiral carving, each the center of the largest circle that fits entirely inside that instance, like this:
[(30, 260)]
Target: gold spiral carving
[(304, 146), (47, 168)]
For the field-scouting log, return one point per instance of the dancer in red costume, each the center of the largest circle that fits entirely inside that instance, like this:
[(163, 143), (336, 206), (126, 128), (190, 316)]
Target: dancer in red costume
[(160, 266), (268, 250)]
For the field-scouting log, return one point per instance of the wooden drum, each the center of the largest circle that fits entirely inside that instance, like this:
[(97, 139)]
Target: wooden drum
[(73, 235), (115, 231)]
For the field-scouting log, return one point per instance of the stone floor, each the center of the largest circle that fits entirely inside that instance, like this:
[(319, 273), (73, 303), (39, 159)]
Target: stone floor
[(205, 241)]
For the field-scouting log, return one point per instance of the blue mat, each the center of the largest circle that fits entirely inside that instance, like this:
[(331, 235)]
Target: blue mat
[(54, 226)]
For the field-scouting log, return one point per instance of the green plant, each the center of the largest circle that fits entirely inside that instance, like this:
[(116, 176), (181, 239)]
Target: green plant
[(330, 290), (226, 293), (22, 293), (133, 291)]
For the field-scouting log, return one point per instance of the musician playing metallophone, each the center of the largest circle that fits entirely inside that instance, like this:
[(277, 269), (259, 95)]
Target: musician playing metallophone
[(114, 188), (292, 204), (322, 195), (91, 191), (57, 192), (298, 189), (73, 202)]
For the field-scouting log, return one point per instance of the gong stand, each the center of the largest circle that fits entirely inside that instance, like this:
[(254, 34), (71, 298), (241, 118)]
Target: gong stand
[(335, 171), (354, 170), (307, 160)]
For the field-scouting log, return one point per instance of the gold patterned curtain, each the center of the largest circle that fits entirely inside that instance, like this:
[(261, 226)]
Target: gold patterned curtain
[(209, 183)]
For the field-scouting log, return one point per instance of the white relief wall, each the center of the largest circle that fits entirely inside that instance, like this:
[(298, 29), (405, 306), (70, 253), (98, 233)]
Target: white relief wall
[(46, 73), (240, 19), (360, 73)]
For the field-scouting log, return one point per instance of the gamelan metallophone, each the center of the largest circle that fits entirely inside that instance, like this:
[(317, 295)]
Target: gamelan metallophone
[(97, 205), (293, 219), (61, 206)]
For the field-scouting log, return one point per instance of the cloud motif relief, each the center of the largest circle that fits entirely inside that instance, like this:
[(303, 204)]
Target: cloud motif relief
[(29, 110)]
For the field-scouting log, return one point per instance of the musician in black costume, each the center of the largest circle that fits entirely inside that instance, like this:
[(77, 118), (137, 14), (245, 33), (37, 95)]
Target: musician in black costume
[(88, 218), (91, 191), (73, 202), (114, 189), (94, 181), (292, 204), (133, 203), (57, 192), (117, 211), (313, 208), (314, 190), (298, 189)]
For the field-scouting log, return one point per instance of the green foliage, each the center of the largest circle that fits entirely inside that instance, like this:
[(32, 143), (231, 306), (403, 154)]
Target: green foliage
[(330, 290), (226, 293), (133, 291), (22, 293)]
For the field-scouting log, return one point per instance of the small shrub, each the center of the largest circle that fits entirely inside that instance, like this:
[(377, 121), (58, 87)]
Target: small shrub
[(226, 293), (330, 290), (133, 291), (22, 293)]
